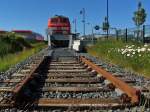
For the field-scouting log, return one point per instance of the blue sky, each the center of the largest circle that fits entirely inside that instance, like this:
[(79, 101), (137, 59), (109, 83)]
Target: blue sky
[(33, 14)]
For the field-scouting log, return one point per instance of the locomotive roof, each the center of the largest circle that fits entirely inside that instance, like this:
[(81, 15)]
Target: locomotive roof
[(59, 16)]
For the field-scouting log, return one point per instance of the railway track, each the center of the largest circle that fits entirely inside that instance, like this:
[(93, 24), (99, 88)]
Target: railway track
[(64, 81)]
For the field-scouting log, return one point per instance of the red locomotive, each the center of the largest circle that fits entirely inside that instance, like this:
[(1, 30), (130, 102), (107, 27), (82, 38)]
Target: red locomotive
[(59, 25), (59, 29)]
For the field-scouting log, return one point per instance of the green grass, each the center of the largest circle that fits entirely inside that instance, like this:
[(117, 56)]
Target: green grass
[(14, 49), (12, 59), (108, 50), (12, 43)]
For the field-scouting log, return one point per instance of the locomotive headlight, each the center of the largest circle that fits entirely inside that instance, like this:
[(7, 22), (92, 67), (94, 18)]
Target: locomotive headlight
[(53, 28), (64, 32), (64, 28)]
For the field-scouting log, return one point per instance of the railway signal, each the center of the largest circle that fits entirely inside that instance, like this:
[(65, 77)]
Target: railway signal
[(105, 25), (97, 27)]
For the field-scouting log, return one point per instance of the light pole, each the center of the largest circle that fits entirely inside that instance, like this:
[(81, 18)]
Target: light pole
[(107, 17), (83, 20), (107, 10), (92, 28), (75, 25)]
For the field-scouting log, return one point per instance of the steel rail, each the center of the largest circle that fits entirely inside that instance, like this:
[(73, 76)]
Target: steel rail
[(130, 91), (20, 85)]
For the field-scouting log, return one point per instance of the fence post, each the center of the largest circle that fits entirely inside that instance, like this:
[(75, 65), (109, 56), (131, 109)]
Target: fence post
[(126, 35), (116, 34), (143, 34)]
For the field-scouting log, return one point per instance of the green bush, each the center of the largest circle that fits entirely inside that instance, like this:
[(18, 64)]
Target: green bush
[(11, 43), (5, 62), (23, 42)]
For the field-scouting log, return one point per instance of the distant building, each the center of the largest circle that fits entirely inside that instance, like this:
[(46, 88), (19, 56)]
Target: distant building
[(2, 32), (29, 35)]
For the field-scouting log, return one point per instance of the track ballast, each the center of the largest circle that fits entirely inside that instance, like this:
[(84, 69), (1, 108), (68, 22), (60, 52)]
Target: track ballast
[(64, 81)]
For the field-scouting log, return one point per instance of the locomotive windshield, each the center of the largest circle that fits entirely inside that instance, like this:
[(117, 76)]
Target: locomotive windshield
[(64, 20), (54, 20)]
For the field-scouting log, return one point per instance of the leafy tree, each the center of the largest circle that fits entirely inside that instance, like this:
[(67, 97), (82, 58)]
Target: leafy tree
[(139, 17)]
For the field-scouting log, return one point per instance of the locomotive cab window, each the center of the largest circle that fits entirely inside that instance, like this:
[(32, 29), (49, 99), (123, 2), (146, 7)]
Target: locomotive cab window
[(54, 20), (64, 20)]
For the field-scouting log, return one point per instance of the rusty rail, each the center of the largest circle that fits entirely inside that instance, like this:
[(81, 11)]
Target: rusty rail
[(130, 91), (20, 85)]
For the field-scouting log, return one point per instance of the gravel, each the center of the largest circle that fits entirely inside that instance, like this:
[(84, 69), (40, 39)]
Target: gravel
[(114, 69)]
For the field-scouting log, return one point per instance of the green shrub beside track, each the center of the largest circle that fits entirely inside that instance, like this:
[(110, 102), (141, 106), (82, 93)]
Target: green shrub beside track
[(14, 49), (11, 43), (131, 56)]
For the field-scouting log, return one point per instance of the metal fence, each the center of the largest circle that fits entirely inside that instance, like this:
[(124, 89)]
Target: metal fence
[(100, 33), (141, 34), (147, 33), (137, 34)]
